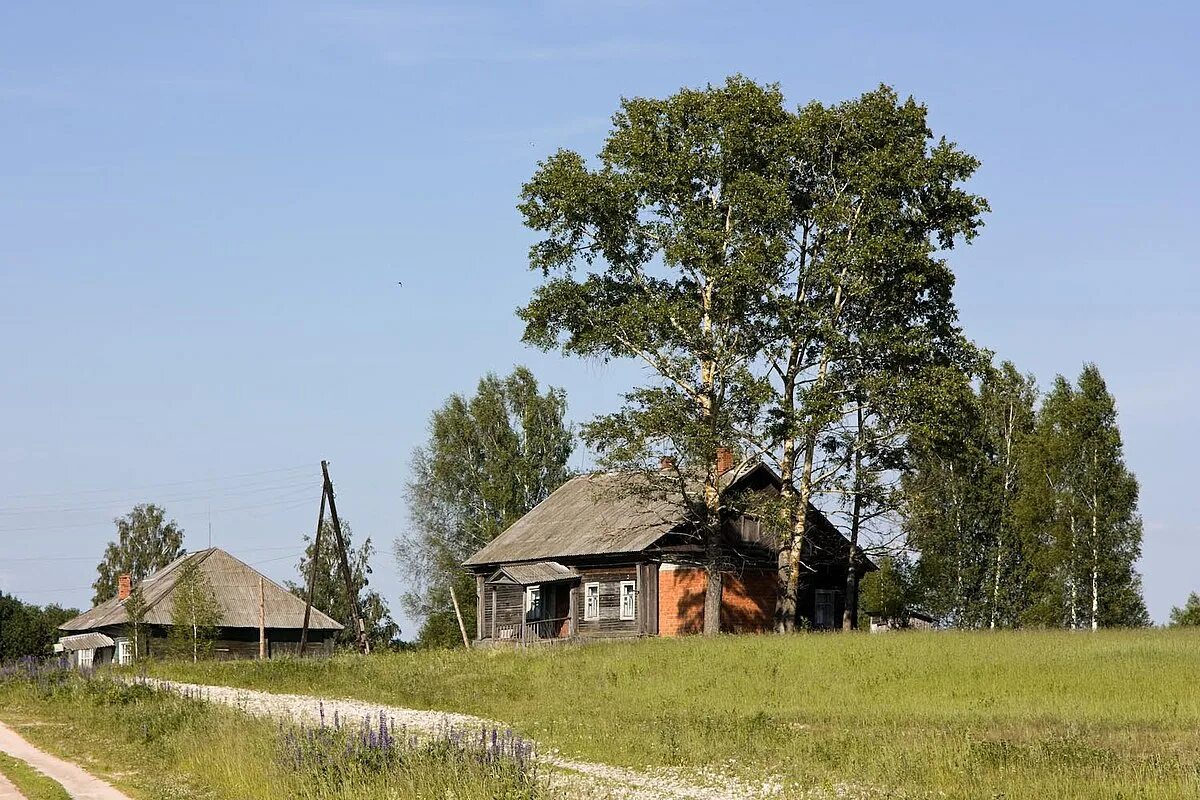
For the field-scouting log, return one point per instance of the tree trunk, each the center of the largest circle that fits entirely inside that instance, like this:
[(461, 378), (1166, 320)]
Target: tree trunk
[(712, 490), (1071, 579), (799, 531), (785, 602), (850, 613), (1009, 425), (1095, 565)]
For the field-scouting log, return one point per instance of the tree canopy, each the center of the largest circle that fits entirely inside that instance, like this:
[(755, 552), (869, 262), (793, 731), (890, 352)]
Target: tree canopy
[(27, 629), (764, 264), (490, 458), (1189, 614), (146, 542)]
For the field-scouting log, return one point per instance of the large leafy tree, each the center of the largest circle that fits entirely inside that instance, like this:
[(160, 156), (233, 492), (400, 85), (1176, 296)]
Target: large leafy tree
[(762, 264), (146, 542), (490, 458), (329, 590), (865, 301), (662, 253)]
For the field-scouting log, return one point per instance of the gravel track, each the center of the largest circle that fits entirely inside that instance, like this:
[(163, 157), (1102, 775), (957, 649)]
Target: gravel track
[(79, 783), (582, 780)]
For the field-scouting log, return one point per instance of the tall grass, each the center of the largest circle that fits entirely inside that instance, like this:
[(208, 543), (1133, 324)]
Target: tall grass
[(159, 745), (1018, 715)]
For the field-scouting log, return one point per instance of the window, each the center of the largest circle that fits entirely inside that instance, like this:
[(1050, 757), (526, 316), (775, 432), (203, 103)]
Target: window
[(823, 612), (84, 657), (591, 601), (628, 599), (533, 601), (124, 652)]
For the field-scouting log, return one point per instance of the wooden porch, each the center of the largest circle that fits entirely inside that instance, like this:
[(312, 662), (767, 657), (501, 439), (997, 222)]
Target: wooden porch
[(527, 605)]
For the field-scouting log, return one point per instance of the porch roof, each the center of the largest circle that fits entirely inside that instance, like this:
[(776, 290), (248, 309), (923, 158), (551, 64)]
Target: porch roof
[(85, 641), (531, 573)]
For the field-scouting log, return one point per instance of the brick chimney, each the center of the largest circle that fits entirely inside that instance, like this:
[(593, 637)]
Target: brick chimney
[(724, 460), (666, 463), (124, 586)]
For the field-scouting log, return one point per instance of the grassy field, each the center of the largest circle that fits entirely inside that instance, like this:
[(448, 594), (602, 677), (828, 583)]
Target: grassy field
[(29, 782), (1015, 715), (158, 746)]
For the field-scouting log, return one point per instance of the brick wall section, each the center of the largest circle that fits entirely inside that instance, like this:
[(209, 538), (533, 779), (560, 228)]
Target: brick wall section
[(747, 601), (680, 601)]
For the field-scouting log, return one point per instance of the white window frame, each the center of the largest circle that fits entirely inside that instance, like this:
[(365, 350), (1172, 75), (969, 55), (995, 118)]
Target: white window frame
[(124, 652), (632, 612), (84, 658), (591, 611), (533, 598)]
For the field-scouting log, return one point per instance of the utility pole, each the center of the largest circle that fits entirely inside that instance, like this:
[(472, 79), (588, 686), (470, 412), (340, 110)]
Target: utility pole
[(313, 565), (351, 596), (262, 619)]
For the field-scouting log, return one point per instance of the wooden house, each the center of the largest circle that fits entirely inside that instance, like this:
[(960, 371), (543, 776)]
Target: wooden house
[(245, 597), (600, 559)]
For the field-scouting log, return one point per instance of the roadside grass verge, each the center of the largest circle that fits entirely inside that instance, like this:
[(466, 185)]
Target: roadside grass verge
[(1014, 715), (154, 744), (29, 782)]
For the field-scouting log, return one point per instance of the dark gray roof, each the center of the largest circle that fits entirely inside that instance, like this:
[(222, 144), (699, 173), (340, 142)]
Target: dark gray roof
[(537, 572), (588, 515), (85, 641), (235, 585)]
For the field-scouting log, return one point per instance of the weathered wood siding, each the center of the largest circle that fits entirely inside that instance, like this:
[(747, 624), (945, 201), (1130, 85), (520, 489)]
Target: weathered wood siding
[(503, 605), (242, 643), (610, 624)]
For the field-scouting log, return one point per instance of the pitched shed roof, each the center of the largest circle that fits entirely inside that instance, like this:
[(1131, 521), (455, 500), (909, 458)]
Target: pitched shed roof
[(235, 585), (587, 515), (529, 574), (85, 641)]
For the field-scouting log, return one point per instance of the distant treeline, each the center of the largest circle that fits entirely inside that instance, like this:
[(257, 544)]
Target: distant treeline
[(29, 630)]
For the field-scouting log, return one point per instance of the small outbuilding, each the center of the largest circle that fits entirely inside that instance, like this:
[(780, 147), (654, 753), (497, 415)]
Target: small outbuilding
[(246, 600)]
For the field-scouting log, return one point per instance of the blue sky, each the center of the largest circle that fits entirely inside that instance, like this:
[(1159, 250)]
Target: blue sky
[(205, 210)]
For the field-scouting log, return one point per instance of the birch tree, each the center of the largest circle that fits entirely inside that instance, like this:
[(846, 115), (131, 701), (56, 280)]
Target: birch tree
[(662, 253), (1109, 493), (146, 542), (195, 613), (866, 291), (491, 456), (1006, 399)]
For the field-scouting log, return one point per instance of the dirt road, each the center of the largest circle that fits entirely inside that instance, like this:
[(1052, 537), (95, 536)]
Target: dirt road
[(576, 779), (80, 784)]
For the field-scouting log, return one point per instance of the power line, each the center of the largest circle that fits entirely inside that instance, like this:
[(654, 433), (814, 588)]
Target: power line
[(239, 476), (4, 560), (291, 484), (285, 503)]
